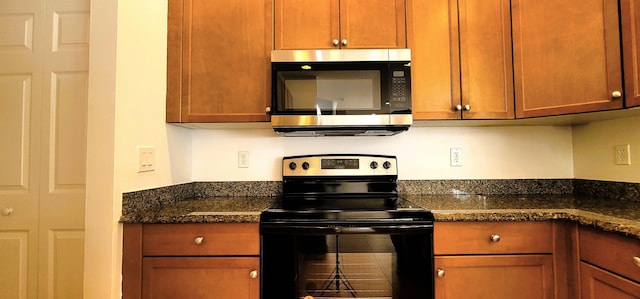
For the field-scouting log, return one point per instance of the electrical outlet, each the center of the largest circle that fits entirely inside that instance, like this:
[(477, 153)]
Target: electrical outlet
[(243, 159), (623, 154), (146, 158), (455, 157)]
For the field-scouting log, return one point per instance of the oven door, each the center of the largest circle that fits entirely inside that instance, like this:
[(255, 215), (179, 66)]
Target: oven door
[(346, 261)]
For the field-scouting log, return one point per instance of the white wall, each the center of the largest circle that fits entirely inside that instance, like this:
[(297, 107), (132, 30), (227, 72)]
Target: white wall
[(594, 150), (423, 152), (126, 109)]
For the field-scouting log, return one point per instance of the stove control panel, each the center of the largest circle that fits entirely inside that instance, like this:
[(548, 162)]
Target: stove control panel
[(339, 165)]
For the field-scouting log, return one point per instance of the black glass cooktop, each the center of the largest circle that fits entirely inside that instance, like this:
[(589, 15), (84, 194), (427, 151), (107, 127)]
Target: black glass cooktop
[(391, 208)]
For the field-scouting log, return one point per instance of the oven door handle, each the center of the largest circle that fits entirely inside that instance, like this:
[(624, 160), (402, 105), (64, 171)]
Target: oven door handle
[(374, 229)]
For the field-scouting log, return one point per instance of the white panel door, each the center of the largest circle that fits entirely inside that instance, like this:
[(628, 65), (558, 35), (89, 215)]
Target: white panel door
[(43, 102)]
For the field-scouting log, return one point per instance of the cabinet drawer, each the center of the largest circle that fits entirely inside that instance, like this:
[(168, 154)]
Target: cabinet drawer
[(200, 239), (492, 237), (610, 251)]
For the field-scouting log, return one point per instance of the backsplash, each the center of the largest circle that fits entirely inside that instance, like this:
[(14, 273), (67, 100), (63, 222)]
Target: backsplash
[(154, 198), (607, 189)]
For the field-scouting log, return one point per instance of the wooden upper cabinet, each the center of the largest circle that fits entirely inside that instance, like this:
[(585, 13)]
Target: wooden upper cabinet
[(486, 59), (332, 24), (566, 56), (630, 12), (218, 66), (461, 59)]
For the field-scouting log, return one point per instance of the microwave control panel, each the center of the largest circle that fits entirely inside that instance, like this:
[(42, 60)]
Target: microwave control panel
[(400, 96)]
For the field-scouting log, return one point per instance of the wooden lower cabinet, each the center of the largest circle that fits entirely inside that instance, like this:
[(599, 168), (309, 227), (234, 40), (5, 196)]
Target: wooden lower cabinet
[(208, 261), (610, 266), (494, 276), (597, 283), (208, 277), (494, 260)]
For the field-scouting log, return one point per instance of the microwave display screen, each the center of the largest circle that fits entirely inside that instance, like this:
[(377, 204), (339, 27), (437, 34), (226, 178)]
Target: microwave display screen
[(329, 91)]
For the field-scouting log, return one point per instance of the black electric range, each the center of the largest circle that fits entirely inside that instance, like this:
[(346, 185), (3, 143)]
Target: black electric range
[(341, 214)]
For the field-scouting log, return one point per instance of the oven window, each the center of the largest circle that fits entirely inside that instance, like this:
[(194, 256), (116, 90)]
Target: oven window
[(327, 92), (348, 266)]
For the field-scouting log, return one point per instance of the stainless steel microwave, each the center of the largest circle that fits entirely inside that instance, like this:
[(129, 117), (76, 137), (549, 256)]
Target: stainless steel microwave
[(341, 92)]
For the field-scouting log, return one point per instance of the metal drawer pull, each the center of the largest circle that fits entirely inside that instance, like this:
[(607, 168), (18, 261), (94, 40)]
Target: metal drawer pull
[(616, 94), (495, 238), (336, 42), (440, 273), (636, 261), (7, 211), (198, 240), (253, 274)]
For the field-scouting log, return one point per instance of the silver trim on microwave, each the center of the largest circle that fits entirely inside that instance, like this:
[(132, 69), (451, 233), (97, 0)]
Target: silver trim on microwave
[(341, 120), (337, 55)]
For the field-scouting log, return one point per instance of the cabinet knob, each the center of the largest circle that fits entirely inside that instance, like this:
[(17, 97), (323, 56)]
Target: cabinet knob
[(198, 240), (267, 110), (495, 238), (336, 42), (616, 94), (458, 107), (344, 42), (440, 272), (467, 107), (7, 211), (253, 274), (636, 261)]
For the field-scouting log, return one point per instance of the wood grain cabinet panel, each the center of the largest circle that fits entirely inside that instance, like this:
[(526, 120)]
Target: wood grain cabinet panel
[(461, 59), (597, 283), (305, 24), (494, 276), (630, 20), (210, 277), (198, 239), (566, 56), (494, 260), (492, 237), (610, 265), (212, 260), (218, 61)]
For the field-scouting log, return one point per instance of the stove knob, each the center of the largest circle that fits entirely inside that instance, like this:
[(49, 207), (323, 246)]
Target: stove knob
[(386, 164), (373, 165), (292, 165), (305, 165)]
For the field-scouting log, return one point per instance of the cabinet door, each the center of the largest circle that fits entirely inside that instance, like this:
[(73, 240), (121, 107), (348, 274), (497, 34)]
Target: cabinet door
[(432, 28), (461, 68), (494, 276), (566, 56), (316, 24), (201, 278), (372, 24), (597, 283), (306, 24), (630, 12), (485, 59), (218, 61)]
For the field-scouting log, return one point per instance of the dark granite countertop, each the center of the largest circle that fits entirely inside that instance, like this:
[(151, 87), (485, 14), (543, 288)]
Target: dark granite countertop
[(609, 215)]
